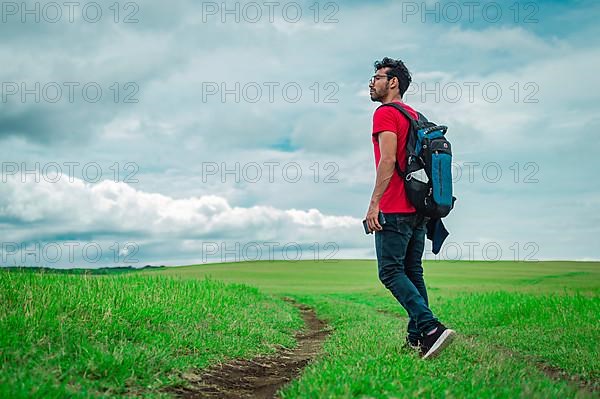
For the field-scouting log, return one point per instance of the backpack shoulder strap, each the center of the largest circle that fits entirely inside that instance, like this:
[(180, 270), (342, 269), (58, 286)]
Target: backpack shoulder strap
[(402, 110), (422, 117)]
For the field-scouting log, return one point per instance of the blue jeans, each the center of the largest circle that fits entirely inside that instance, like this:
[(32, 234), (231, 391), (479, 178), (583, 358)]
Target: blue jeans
[(399, 248)]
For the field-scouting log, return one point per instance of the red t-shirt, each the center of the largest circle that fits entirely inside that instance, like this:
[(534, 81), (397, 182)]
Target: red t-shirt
[(394, 198)]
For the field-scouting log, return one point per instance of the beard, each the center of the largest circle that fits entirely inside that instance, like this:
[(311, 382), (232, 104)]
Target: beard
[(376, 97)]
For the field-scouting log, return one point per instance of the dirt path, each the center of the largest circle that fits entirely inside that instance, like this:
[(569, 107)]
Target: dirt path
[(260, 377), (552, 372)]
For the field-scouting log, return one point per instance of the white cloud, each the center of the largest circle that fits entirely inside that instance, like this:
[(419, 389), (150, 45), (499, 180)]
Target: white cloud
[(120, 207), (83, 210)]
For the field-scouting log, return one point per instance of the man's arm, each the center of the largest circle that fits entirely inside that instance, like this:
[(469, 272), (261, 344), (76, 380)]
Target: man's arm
[(388, 144)]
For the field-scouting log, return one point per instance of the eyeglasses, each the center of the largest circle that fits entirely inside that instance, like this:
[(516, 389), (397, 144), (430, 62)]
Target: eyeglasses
[(377, 77)]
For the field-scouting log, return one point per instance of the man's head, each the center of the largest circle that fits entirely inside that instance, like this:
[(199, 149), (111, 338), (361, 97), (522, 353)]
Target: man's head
[(391, 80)]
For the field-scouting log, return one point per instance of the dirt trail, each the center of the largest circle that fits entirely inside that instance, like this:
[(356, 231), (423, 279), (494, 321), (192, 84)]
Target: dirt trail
[(552, 372), (262, 376)]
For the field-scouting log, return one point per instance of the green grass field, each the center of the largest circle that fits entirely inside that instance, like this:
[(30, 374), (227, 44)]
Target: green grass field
[(525, 329)]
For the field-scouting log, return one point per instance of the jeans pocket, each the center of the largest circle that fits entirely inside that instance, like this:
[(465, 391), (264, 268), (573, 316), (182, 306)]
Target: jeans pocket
[(422, 221), (409, 220)]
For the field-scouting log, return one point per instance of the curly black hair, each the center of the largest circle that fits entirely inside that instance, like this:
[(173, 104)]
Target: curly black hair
[(398, 70)]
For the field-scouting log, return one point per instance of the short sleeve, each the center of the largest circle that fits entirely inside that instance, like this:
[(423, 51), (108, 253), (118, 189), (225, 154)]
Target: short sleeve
[(389, 119), (385, 119)]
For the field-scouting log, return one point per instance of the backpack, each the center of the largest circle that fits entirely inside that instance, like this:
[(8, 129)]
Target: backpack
[(428, 174)]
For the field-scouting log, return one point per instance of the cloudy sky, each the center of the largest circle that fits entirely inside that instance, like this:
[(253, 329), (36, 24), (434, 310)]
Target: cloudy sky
[(187, 132)]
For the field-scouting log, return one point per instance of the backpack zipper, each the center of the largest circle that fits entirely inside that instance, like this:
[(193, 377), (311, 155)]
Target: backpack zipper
[(440, 175)]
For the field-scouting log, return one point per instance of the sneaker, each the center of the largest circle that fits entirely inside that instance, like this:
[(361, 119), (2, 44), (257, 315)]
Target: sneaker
[(435, 343), (412, 344)]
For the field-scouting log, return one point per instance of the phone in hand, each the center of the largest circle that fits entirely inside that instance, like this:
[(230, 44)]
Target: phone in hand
[(381, 222), (366, 226)]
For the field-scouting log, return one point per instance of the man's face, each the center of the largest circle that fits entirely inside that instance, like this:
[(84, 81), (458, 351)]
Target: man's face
[(379, 85)]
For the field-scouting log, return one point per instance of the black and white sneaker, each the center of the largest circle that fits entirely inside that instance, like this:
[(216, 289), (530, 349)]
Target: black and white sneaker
[(411, 344), (435, 343)]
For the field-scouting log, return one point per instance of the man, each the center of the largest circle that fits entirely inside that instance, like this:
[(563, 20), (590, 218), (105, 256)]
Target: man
[(399, 230)]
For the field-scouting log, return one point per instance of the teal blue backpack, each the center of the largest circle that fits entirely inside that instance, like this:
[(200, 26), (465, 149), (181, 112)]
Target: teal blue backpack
[(428, 174)]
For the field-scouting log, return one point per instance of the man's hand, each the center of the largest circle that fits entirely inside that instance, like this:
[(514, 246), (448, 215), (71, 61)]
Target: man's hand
[(373, 218)]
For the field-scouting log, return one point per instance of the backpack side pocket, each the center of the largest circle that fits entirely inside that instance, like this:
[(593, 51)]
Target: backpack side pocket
[(441, 174)]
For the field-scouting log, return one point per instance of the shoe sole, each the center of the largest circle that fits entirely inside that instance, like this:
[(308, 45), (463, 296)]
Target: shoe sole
[(442, 342)]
